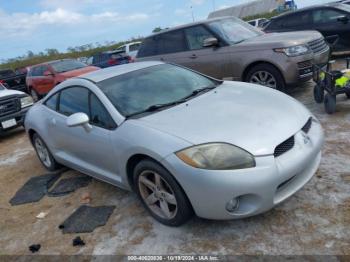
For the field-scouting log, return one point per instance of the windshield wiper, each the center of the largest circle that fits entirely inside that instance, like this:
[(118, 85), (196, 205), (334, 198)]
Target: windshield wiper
[(156, 107), (199, 91)]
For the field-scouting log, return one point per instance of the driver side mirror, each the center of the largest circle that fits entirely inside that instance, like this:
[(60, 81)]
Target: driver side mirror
[(344, 19), (79, 119), (48, 73), (211, 41)]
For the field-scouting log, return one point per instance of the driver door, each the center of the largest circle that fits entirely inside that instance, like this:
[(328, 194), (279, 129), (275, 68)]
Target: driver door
[(88, 151)]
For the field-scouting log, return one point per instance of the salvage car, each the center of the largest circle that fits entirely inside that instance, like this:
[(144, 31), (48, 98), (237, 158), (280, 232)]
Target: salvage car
[(12, 80), (185, 142), (13, 108), (330, 19), (230, 49), (43, 77)]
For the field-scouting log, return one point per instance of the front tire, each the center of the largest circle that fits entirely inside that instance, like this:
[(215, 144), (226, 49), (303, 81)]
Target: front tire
[(36, 97), (160, 194), (318, 94), (330, 103), (44, 153), (266, 75)]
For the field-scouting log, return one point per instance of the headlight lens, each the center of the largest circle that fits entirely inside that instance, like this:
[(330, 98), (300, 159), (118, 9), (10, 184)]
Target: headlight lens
[(26, 101), (294, 50), (217, 156)]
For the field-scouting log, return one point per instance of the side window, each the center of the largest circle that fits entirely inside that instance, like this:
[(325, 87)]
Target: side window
[(52, 102), (172, 42), (196, 35), (323, 16), (134, 47), (74, 100), (36, 71), (99, 115), (300, 19), (149, 47), (123, 48)]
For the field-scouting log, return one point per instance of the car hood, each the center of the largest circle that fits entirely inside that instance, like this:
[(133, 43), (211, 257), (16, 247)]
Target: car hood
[(8, 92), (249, 116), (79, 72), (279, 40)]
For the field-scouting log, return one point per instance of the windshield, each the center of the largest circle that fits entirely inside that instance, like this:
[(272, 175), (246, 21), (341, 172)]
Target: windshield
[(234, 30), (67, 65), (161, 84), (2, 87)]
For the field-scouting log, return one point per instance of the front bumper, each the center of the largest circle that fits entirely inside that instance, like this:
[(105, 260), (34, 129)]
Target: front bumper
[(18, 116), (299, 69), (258, 189)]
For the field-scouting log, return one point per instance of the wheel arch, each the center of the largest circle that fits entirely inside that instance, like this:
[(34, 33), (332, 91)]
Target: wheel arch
[(253, 64)]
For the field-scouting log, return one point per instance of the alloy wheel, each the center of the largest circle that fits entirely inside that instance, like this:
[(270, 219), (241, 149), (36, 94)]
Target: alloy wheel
[(264, 78), (43, 152), (157, 194)]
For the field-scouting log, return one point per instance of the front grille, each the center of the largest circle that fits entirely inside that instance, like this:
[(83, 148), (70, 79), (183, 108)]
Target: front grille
[(9, 106), (318, 46), (306, 128), (305, 64), (284, 147)]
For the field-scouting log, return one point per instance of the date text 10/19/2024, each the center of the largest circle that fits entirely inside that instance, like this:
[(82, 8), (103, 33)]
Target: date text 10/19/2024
[(173, 258)]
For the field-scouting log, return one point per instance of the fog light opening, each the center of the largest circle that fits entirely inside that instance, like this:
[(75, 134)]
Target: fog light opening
[(232, 205)]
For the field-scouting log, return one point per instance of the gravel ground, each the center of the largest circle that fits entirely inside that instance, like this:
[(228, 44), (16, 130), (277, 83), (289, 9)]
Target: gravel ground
[(316, 220)]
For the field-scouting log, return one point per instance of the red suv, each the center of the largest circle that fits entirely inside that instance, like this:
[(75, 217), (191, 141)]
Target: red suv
[(43, 77)]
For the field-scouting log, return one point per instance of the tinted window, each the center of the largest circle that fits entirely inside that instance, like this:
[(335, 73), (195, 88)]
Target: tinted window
[(74, 100), (36, 71), (52, 102), (99, 115), (299, 19), (6, 73), (148, 47), (251, 23), (66, 65), (136, 91), (172, 42), (323, 16), (195, 36)]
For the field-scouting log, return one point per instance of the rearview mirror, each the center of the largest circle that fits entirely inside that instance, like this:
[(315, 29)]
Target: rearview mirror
[(211, 41), (48, 73), (344, 19), (79, 119)]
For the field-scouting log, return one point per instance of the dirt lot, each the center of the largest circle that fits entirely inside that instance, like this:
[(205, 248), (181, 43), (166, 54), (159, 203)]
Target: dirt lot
[(314, 221)]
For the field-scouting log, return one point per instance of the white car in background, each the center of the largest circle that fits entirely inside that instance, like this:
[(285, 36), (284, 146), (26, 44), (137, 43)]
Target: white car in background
[(260, 22), (131, 49)]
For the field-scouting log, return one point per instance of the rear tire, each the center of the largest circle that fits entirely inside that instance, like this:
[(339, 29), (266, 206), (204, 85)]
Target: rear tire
[(330, 102), (318, 94), (44, 153), (266, 75), (160, 194)]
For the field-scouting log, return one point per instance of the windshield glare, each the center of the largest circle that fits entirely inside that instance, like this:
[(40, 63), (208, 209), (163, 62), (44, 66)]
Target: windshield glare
[(234, 30), (67, 65), (161, 84), (345, 7)]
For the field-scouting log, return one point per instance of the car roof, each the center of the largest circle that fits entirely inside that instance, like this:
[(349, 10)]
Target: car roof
[(113, 71), (51, 62), (189, 25), (336, 4)]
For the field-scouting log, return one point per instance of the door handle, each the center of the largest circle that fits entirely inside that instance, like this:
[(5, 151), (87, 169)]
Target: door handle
[(194, 56)]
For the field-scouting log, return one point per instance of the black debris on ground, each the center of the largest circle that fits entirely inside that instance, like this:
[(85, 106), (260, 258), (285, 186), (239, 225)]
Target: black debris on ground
[(85, 219), (69, 185), (78, 242), (34, 248), (35, 188)]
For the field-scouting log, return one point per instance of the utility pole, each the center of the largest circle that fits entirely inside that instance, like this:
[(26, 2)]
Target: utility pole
[(192, 13)]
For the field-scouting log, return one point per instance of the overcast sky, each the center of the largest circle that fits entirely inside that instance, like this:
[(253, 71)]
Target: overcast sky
[(39, 24)]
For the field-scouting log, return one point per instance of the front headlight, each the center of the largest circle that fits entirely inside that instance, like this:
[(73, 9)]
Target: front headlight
[(216, 156), (26, 101), (294, 50)]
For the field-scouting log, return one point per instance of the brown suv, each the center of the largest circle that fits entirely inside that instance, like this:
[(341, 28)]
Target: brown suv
[(228, 48)]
